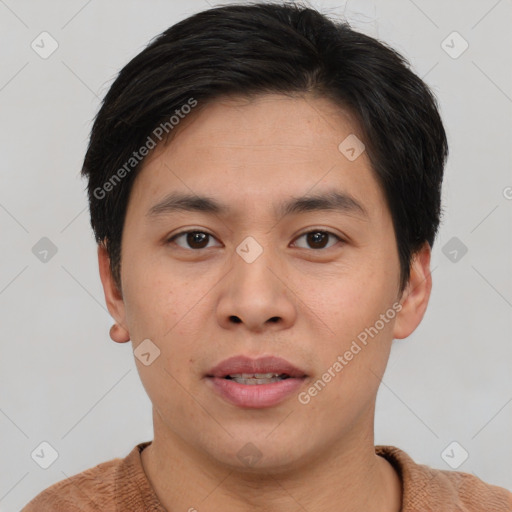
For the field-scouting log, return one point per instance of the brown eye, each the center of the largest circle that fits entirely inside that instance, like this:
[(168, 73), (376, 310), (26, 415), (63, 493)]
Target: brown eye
[(318, 239), (193, 239)]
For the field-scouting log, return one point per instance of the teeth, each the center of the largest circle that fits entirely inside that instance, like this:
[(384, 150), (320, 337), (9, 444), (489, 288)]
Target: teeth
[(254, 375), (256, 378), (251, 382)]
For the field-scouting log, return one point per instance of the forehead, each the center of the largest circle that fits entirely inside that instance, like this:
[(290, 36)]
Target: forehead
[(253, 149), (270, 123)]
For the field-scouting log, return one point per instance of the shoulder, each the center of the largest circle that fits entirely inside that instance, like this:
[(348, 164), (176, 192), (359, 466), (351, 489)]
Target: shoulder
[(92, 489), (473, 493), (425, 488)]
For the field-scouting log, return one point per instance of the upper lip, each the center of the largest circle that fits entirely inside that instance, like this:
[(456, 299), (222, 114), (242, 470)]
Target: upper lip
[(242, 364)]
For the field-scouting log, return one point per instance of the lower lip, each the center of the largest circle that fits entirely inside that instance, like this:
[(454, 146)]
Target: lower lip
[(255, 396)]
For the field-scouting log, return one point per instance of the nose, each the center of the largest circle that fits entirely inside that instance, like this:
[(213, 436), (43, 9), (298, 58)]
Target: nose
[(256, 295)]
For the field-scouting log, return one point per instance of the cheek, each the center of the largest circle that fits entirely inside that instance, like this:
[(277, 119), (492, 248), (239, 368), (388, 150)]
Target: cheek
[(358, 309), (157, 308), (163, 306), (346, 300), (150, 287), (355, 358)]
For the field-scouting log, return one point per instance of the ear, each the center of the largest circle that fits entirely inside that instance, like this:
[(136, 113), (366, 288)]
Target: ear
[(113, 298), (416, 294)]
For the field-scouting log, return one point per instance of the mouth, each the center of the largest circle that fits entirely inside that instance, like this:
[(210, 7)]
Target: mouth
[(268, 367), (255, 383), (250, 379)]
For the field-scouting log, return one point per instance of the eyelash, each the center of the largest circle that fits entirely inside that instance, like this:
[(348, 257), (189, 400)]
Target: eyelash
[(172, 239)]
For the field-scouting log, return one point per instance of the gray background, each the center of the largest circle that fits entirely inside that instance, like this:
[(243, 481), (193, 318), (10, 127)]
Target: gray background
[(63, 380)]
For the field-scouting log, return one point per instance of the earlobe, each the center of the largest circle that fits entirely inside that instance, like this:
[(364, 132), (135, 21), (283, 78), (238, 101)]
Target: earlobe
[(416, 295), (113, 298), (119, 334)]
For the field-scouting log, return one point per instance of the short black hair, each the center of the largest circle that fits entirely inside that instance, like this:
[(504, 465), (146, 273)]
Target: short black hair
[(251, 49)]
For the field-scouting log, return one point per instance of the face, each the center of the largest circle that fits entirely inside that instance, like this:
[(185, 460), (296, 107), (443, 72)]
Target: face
[(314, 285)]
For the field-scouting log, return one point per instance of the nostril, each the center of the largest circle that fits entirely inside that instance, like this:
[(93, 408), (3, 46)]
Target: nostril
[(235, 319)]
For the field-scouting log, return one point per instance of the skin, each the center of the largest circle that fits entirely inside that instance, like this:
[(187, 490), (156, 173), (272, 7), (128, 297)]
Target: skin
[(252, 154)]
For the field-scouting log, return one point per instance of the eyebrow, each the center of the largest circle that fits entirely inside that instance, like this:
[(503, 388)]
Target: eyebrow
[(332, 200)]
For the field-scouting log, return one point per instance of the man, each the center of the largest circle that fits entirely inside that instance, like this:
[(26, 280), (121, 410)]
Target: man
[(264, 187)]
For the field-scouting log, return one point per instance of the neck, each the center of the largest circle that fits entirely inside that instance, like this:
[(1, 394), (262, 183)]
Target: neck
[(348, 477)]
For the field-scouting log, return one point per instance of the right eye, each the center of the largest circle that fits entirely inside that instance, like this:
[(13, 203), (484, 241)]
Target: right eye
[(195, 239)]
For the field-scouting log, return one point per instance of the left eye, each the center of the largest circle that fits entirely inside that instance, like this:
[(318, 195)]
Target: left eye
[(318, 239)]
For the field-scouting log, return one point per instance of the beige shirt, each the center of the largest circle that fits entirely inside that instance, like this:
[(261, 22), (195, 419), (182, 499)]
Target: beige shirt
[(120, 485)]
